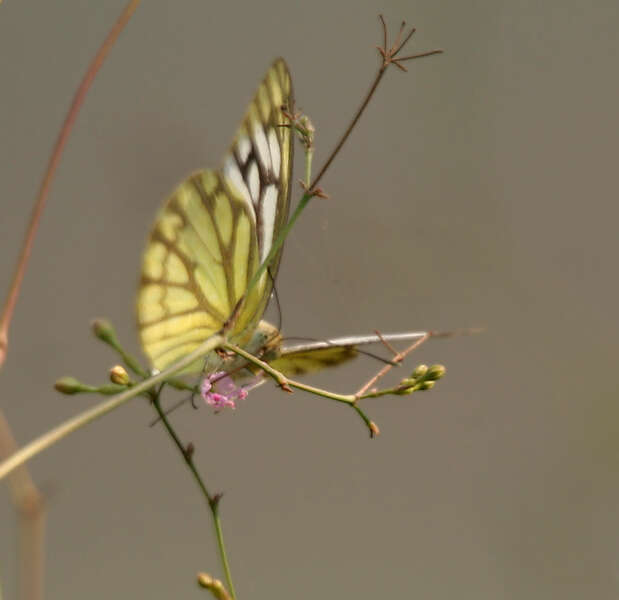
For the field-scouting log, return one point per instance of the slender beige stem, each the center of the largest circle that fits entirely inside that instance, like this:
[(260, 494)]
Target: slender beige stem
[(64, 429), (46, 183), (350, 127), (30, 506)]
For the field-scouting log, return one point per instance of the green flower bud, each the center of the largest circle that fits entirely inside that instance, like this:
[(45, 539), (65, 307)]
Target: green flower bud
[(119, 375), (103, 329), (425, 385), (69, 385), (420, 371), (435, 372)]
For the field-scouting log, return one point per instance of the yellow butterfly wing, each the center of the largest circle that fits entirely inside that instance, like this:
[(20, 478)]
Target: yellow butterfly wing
[(295, 364), (214, 231), (314, 355)]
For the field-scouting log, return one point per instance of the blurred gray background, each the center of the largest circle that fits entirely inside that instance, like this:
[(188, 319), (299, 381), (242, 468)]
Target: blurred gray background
[(479, 189)]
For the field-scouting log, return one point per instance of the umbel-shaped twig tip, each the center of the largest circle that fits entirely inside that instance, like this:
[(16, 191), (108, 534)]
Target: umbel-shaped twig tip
[(390, 53)]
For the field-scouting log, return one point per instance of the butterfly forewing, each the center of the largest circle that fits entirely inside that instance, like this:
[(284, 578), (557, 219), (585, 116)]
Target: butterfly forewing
[(214, 231), (259, 166)]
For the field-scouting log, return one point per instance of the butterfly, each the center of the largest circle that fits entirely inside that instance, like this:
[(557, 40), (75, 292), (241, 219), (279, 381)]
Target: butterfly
[(213, 233), (209, 239)]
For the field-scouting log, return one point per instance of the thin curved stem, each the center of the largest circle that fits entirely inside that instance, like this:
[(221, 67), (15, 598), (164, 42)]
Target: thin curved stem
[(350, 127), (283, 381), (286, 384), (222, 549), (54, 160)]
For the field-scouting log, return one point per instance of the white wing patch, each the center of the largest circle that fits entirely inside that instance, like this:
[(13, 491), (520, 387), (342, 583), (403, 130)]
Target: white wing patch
[(253, 178), (233, 175), (268, 211), (275, 154), (254, 169), (244, 148), (262, 147)]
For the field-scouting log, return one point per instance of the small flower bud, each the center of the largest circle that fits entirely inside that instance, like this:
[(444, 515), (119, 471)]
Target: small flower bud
[(213, 585), (374, 430), (420, 371), (306, 131), (119, 375), (205, 580), (68, 385), (426, 385), (307, 124), (103, 329), (435, 372)]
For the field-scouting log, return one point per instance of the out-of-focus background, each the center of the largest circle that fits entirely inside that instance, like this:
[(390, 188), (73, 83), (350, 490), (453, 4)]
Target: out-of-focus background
[(480, 189)]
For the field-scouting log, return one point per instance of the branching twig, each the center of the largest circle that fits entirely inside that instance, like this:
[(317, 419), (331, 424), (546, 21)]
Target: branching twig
[(390, 56), (396, 359)]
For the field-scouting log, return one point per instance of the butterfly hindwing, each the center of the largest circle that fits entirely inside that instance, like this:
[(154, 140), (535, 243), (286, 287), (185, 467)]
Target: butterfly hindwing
[(197, 264), (295, 364), (213, 232)]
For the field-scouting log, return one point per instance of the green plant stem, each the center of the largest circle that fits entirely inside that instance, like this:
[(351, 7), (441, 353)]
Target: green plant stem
[(212, 501), (283, 234), (280, 240), (130, 361), (285, 383), (222, 549), (378, 393), (64, 429)]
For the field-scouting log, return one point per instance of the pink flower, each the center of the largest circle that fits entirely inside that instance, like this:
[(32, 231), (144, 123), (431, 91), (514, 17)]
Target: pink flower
[(219, 391)]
